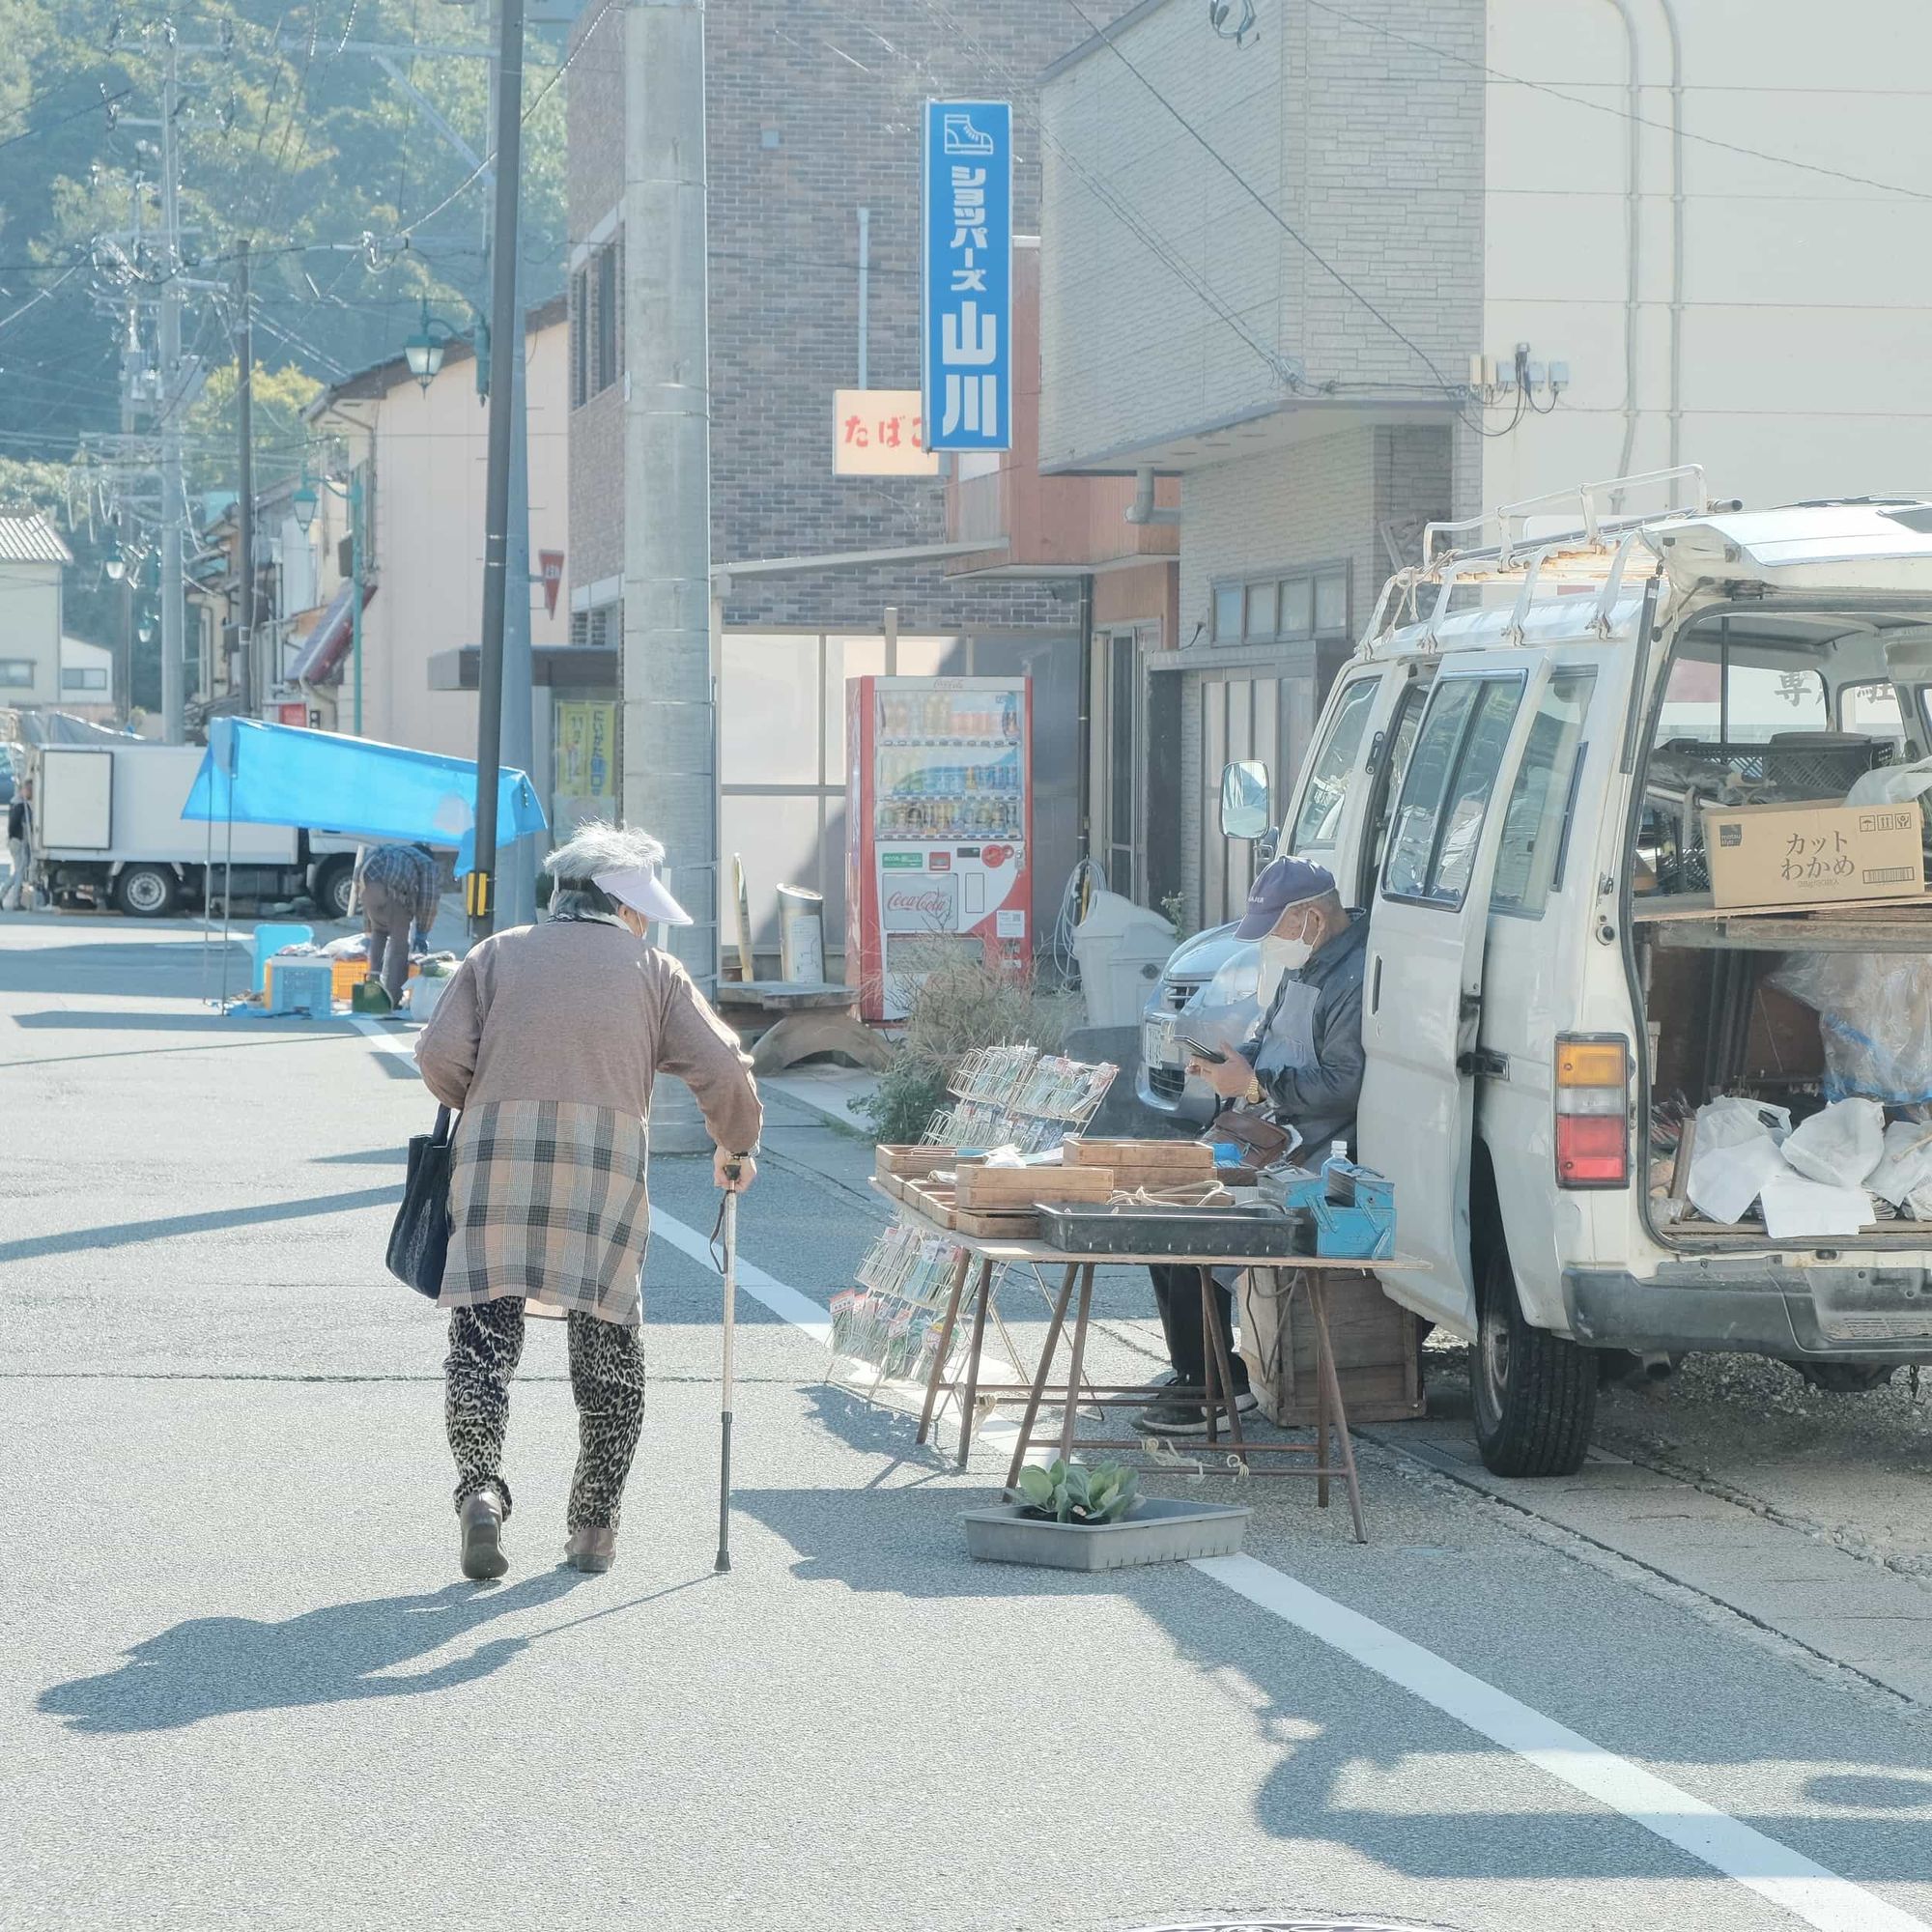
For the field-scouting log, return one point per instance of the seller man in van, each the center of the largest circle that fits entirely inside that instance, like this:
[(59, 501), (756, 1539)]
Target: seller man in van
[(1300, 1068)]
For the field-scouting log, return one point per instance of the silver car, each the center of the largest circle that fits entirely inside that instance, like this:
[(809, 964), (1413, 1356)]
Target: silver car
[(1207, 990)]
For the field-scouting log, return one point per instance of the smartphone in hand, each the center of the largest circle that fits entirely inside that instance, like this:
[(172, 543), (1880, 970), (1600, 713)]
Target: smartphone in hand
[(1201, 1050)]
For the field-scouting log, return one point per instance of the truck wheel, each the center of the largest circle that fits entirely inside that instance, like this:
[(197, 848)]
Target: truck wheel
[(334, 882), (1846, 1377), (146, 892), (1535, 1393)]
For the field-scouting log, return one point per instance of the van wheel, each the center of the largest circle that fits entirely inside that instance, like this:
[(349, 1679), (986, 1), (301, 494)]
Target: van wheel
[(146, 892), (1846, 1377), (1535, 1393)]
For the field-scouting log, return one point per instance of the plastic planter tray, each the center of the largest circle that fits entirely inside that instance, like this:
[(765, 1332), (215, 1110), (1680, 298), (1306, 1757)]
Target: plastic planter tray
[(1081, 1228), (1158, 1531)]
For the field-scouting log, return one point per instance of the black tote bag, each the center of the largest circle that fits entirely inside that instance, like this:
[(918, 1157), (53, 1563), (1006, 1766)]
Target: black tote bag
[(419, 1241)]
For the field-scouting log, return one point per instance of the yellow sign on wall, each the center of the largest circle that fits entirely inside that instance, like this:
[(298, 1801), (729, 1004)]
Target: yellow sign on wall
[(880, 433)]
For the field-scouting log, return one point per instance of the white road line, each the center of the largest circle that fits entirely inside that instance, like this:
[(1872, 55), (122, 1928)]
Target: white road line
[(787, 1303), (1788, 1879), (1773, 1870), (385, 1039)]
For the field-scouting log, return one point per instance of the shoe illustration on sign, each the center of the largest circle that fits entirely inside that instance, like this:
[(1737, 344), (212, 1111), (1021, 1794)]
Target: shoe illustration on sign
[(961, 137)]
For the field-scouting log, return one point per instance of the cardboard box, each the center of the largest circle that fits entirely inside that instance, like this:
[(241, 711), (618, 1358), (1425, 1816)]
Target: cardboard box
[(1813, 854)]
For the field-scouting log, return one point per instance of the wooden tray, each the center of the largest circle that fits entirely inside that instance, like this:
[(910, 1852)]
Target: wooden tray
[(1131, 1160), (942, 1205), (1017, 1189), (893, 1161)]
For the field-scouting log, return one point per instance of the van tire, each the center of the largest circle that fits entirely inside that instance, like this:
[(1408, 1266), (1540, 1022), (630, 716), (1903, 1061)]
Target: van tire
[(146, 892), (1535, 1392), (1846, 1377)]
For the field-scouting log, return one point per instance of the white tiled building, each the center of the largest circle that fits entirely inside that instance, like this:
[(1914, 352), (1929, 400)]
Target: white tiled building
[(1266, 267), (33, 559)]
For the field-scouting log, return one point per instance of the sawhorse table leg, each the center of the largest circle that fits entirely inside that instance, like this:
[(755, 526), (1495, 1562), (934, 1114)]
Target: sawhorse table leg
[(953, 1290), (1331, 1385), (984, 1301), (1039, 1375)]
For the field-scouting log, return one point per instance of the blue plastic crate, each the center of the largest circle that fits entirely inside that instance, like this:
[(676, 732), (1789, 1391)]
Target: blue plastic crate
[(301, 986)]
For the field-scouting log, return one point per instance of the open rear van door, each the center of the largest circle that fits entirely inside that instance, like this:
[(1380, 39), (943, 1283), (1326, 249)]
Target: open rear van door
[(1422, 989)]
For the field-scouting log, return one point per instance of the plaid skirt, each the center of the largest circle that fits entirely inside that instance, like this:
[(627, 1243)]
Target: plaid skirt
[(547, 1201)]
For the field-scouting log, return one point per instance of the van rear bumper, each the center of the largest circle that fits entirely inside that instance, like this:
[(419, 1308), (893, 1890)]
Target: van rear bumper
[(1847, 1314)]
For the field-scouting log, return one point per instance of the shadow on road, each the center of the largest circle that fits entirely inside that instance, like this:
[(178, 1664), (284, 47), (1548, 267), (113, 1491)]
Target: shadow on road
[(125, 1234), (1346, 1746), (214, 1667)]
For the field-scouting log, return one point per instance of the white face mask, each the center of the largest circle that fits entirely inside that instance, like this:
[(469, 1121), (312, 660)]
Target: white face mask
[(1280, 956)]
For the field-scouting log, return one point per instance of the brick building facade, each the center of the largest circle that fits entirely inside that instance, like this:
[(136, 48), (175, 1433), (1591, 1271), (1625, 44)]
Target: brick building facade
[(813, 115)]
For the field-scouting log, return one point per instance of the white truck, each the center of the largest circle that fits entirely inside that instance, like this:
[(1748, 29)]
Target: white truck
[(109, 831)]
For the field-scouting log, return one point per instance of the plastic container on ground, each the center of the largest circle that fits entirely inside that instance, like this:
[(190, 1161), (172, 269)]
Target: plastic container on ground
[(1160, 1530), (269, 939), (425, 992), (1121, 949), (301, 986)]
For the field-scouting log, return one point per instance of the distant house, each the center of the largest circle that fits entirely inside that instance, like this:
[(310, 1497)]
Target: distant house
[(32, 560), (87, 679)]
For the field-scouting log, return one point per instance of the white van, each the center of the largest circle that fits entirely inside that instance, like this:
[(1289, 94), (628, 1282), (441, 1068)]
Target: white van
[(1509, 776)]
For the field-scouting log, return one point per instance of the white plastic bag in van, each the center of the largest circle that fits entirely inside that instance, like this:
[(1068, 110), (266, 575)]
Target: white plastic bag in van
[(1840, 1146), (1733, 1152), (1906, 1167), (1723, 1123), (1892, 784), (1795, 1209)]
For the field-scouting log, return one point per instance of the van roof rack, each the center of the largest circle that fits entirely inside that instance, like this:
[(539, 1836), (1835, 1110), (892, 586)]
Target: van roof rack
[(1512, 519)]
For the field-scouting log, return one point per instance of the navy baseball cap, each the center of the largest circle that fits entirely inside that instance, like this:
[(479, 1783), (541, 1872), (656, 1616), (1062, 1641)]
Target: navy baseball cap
[(1279, 885)]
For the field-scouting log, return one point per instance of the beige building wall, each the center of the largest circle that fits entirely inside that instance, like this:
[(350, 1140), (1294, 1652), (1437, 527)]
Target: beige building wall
[(426, 551)]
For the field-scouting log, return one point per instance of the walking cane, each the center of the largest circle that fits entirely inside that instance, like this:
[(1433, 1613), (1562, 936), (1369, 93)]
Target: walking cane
[(728, 1220)]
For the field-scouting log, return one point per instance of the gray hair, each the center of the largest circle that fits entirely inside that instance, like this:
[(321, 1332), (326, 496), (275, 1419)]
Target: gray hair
[(602, 847)]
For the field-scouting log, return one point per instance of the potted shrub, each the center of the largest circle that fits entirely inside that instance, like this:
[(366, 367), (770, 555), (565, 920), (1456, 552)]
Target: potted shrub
[(1069, 1516)]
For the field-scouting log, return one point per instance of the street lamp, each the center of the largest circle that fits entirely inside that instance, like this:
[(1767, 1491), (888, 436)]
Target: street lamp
[(304, 502), (423, 351), (116, 567), (144, 629)]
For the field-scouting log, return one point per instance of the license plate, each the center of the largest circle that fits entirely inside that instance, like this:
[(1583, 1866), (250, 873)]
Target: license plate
[(1157, 1041)]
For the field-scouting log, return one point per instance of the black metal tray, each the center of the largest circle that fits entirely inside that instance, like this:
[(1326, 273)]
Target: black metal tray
[(1152, 1233)]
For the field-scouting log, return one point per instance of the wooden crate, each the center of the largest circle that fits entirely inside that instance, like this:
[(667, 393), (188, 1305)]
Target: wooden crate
[(1129, 1158), (893, 1159), (1012, 1189), (942, 1205), (1378, 1348)]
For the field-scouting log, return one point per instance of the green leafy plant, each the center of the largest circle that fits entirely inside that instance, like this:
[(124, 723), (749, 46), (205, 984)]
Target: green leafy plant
[(1071, 1492), (960, 1005), (1174, 907)]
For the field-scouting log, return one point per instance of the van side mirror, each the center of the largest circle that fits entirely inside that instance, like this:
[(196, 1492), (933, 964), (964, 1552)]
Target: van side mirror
[(1244, 800)]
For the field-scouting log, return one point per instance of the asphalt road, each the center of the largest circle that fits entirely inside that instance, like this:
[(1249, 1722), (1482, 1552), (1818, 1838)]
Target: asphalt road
[(241, 1684)]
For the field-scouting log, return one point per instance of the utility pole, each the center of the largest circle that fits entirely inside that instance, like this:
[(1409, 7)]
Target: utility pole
[(174, 391), (669, 709), (505, 327), (245, 506)]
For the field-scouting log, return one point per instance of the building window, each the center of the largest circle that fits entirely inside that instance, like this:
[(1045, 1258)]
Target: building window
[(83, 678), (1281, 609), (600, 629), (596, 323), (17, 674)]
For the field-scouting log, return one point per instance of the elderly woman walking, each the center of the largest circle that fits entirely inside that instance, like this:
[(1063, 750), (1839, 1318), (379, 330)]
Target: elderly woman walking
[(549, 1040)]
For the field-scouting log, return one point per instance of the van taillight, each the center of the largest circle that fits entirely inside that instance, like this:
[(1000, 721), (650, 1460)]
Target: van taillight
[(1592, 1110)]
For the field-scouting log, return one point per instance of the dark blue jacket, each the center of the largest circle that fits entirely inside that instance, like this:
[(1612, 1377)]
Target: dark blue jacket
[(1319, 1099)]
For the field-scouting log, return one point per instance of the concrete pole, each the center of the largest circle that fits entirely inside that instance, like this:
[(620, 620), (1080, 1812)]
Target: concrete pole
[(244, 495), (669, 780), (516, 895), (505, 325), (174, 395)]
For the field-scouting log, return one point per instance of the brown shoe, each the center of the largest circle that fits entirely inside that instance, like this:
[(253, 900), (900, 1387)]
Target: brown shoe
[(592, 1549), (481, 1519)]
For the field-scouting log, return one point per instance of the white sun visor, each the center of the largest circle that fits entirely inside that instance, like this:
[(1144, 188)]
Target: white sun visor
[(644, 893)]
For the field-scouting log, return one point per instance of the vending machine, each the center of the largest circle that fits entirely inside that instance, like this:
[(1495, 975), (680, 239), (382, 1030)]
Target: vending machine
[(939, 831)]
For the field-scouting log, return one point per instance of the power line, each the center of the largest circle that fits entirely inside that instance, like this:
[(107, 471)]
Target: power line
[(105, 105), (1611, 107)]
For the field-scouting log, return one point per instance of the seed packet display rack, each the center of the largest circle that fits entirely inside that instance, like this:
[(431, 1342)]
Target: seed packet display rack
[(896, 1332)]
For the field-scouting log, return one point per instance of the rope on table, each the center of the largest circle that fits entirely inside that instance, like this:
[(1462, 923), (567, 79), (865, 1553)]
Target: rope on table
[(1188, 1194)]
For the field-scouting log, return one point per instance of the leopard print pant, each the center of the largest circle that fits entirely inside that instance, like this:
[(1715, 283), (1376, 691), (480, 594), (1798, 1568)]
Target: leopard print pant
[(607, 1377)]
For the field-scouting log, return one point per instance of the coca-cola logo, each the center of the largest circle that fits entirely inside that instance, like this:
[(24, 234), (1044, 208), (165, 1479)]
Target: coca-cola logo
[(905, 899)]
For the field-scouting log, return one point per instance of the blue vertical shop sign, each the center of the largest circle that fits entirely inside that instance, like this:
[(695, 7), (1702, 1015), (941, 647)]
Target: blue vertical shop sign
[(967, 274)]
